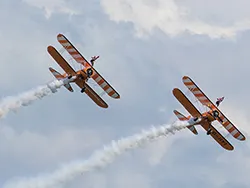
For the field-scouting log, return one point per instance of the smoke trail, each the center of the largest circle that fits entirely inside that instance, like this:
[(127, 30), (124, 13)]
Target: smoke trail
[(13, 103), (98, 160)]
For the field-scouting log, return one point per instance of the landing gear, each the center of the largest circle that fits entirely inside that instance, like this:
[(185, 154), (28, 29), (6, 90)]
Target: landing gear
[(209, 131), (196, 118), (83, 89), (70, 76)]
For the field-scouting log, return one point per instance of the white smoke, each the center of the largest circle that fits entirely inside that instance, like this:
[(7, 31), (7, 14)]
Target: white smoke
[(13, 103), (98, 160)]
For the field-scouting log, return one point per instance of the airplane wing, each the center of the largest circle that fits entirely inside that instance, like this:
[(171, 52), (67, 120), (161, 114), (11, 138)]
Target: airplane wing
[(186, 103), (217, 136), (207, 102), (195, 113), (61, 61), (80, 59), (92, 94)]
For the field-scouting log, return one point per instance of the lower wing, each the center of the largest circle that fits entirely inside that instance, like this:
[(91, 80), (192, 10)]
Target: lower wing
[(217, 136), (92, 94)]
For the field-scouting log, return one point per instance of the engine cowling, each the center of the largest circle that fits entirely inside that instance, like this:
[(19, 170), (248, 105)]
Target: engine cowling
[(89, 71), (216, 113)]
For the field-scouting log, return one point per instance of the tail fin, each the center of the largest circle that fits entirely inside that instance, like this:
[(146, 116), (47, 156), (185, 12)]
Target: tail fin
[(60, 77), (184, 118)]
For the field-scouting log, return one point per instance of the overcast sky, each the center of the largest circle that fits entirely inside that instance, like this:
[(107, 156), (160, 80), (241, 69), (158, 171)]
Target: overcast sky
[(145, 48)]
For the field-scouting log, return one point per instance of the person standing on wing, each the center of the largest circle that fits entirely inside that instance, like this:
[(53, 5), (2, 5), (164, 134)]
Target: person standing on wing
[(92, 61), (219, 100)]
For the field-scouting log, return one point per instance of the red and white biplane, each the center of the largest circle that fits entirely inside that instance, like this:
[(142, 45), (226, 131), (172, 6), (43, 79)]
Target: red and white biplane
[(205, 119), (81, 76)]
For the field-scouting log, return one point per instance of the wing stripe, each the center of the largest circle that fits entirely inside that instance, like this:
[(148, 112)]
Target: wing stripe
[(205, 101), (104, 84), (106, 87), (115, 95), (240, 137), (98, 79), (229, 126)]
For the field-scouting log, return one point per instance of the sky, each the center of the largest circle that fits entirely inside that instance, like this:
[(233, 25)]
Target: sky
[(145, 48)]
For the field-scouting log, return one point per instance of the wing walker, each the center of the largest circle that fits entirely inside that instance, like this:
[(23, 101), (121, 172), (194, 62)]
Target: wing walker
[(205, 119), (80, 77)]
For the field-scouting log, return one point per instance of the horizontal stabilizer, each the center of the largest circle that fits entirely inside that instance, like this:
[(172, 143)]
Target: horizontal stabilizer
[(181, 117), (60, 77)]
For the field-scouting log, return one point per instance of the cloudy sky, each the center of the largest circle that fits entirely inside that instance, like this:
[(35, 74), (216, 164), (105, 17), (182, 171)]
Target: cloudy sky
[(145, 48)]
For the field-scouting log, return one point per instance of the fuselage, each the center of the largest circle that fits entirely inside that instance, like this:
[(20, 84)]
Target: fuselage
[(208, 116)]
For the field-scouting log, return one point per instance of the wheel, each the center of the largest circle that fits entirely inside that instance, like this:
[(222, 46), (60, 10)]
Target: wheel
[(209, 131), (69, 76), (83, 89)]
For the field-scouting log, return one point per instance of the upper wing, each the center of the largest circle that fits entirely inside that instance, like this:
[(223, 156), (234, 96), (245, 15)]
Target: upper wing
[(61, 61), (186, 103), (217, 136), (197, 92), (80, 59), (206, 101), (72, 50), (92, 94)]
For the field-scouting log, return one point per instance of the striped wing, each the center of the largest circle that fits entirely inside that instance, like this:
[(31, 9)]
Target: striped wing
[(206, 101), (80, 59)]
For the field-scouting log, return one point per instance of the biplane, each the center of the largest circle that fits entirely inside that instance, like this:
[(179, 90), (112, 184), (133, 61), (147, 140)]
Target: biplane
[(81, 76), (206, 118)]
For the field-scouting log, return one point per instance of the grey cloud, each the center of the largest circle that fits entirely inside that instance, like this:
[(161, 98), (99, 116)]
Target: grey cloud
[(171, 17), (144, 71)]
